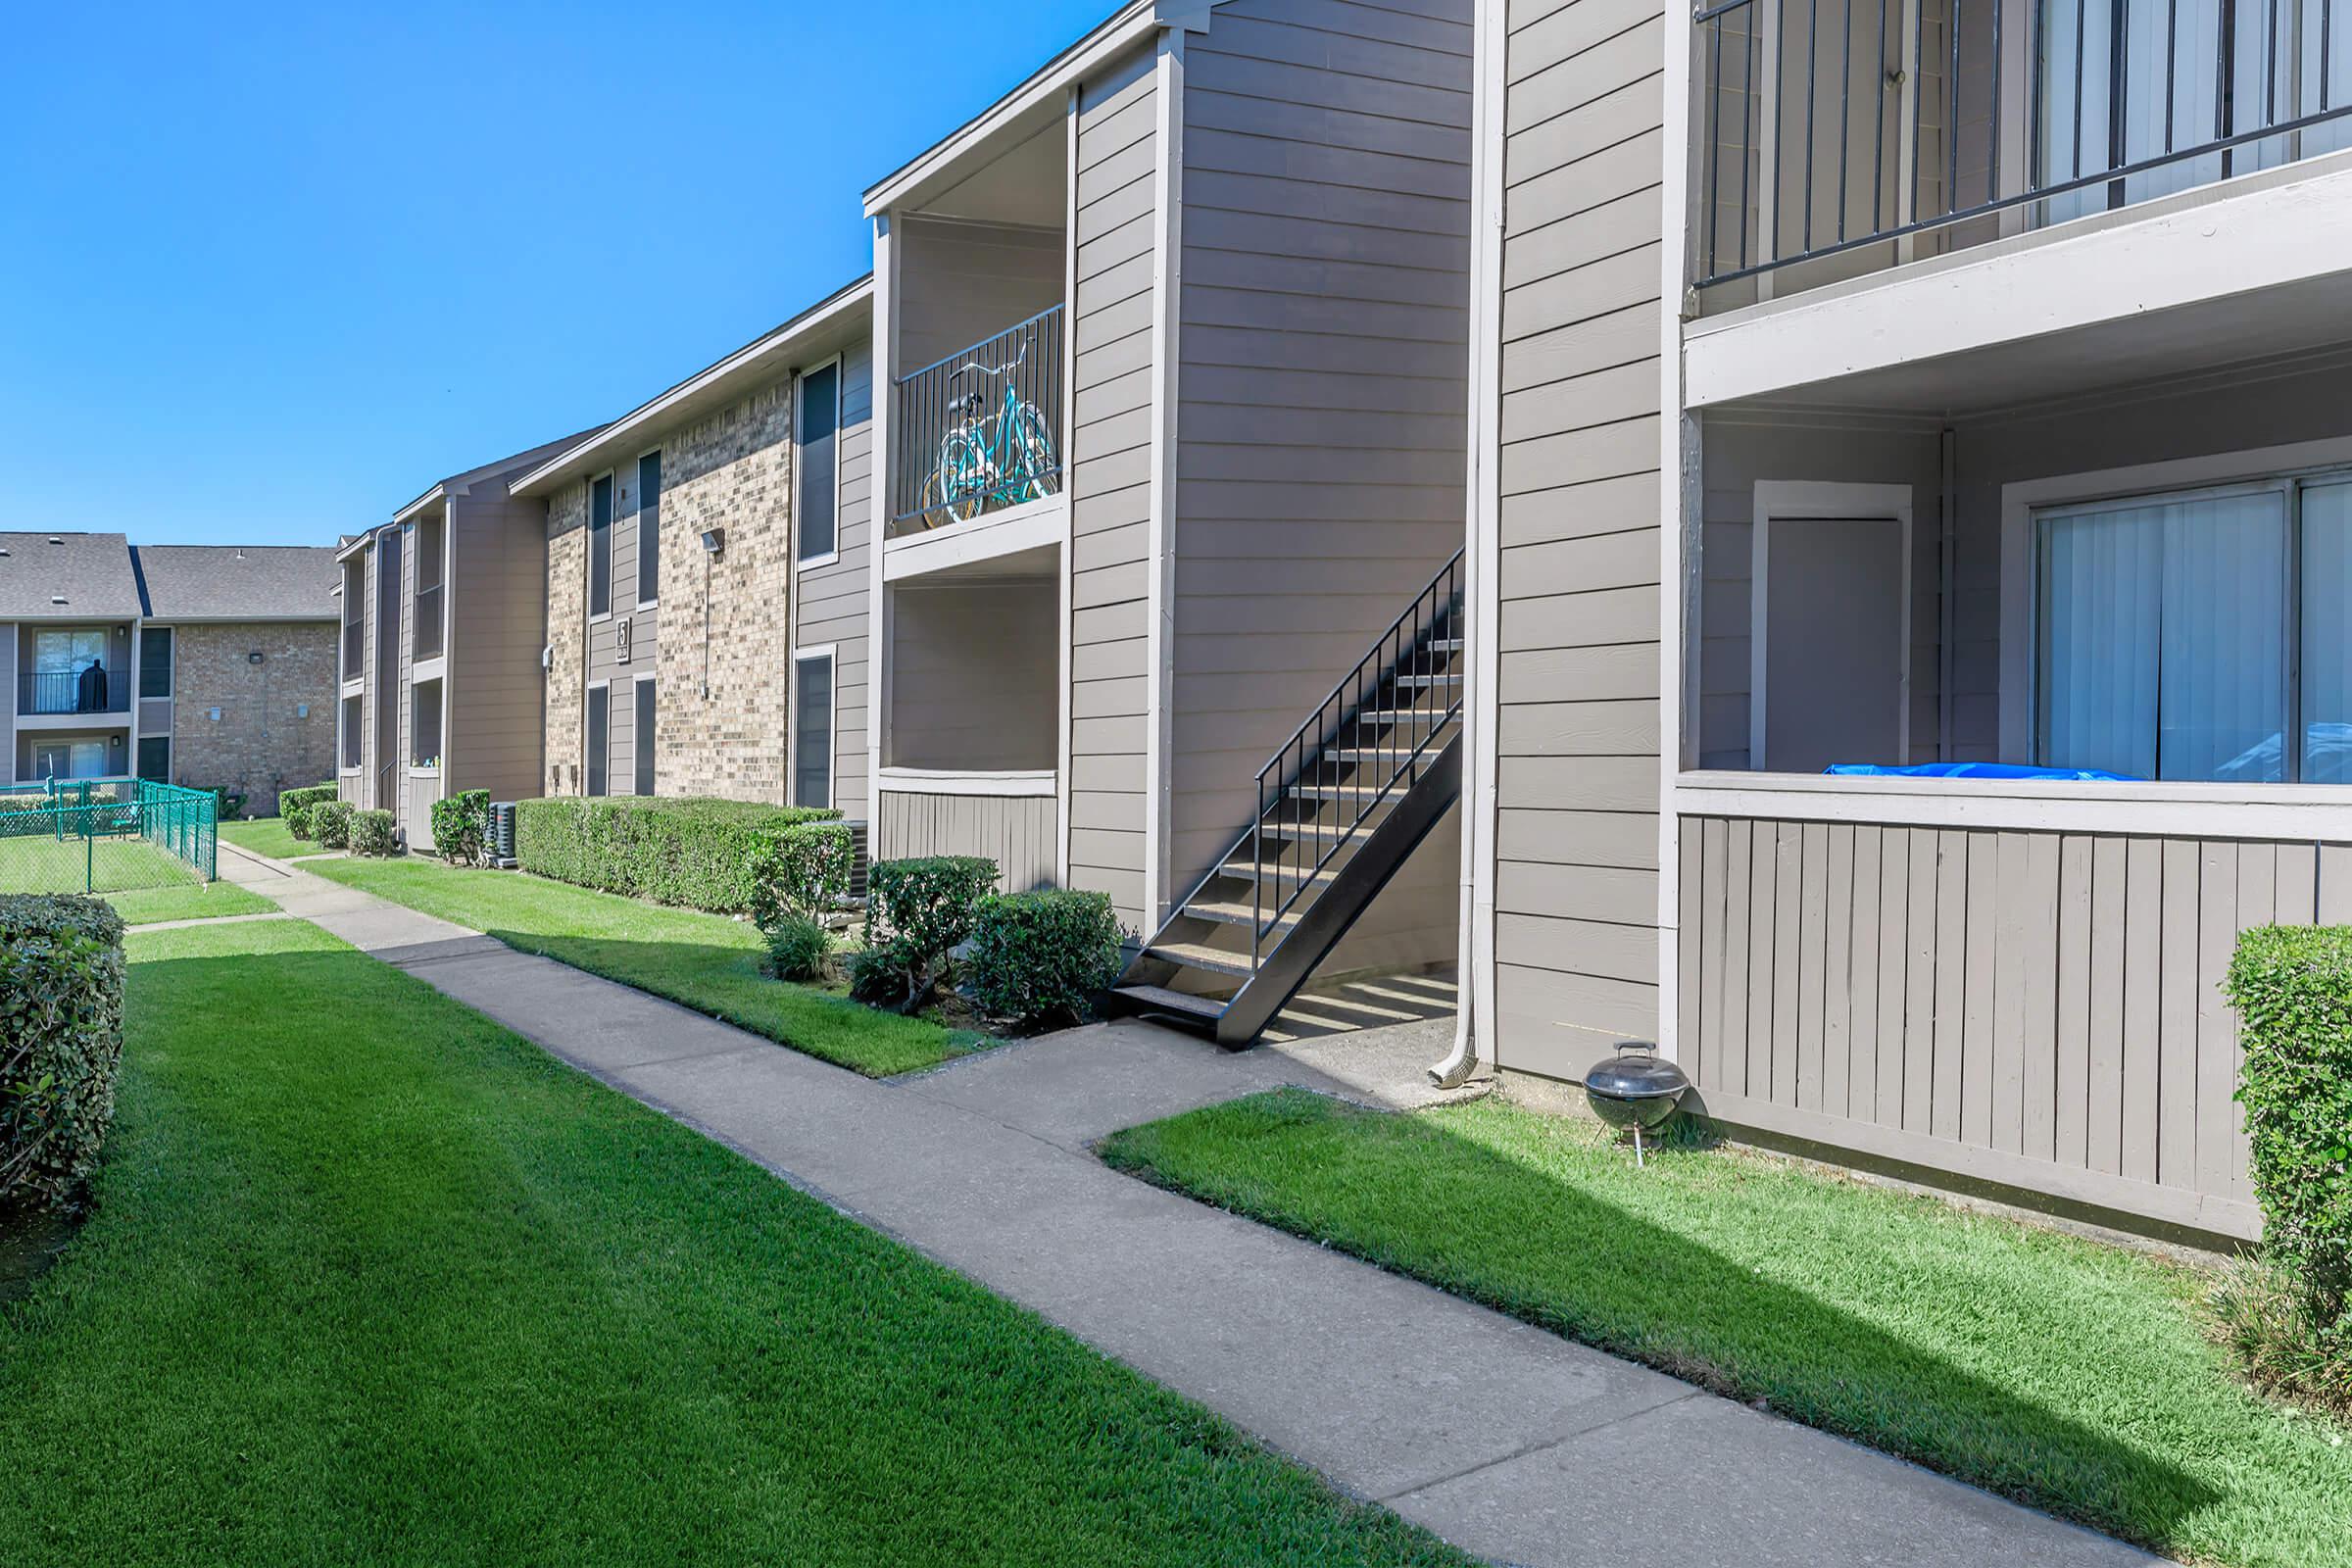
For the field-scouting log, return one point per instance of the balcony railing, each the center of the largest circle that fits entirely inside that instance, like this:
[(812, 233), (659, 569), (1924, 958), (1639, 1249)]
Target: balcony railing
[(355, 649), (428, 623), (981, 429), (1828, 127), (72, 691)]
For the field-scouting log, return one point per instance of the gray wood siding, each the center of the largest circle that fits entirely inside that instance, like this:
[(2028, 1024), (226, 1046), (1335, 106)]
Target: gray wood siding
[(1110, 481), (2036, 1009), (1322, 385), (1577, 895), (830, 601), (1018, 832), (973, 670), (497, 600), (963, 282)]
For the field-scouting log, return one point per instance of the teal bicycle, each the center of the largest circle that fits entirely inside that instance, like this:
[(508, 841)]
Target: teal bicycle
[(990, 460)]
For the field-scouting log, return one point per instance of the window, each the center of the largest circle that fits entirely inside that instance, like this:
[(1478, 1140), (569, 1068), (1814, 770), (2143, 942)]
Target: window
[(649, 527), (433, 547), (818, 496), (599, 546), (155, 758), (644, 737), (599, 739), (69, 759), (353, 726), (2171, 628), (155, 665), (424, 724), (812, 729)]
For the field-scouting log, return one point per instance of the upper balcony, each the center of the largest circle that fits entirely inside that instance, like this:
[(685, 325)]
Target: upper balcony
[(69, 671), (980, 431), (55, 693), (1839, 140)]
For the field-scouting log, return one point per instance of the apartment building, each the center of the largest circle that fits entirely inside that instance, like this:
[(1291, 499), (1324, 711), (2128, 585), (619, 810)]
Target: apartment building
[(705, 577), (1172, 346), (1910, 538), (442, 642), (202, 664)]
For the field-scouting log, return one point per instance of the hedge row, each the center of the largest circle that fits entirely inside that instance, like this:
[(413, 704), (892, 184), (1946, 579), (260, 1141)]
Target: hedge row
[(703, 853), (61, 1042), (296, 806)]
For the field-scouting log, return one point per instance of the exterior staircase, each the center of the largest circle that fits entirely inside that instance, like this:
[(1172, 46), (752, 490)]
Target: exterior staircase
[(1341, 806)]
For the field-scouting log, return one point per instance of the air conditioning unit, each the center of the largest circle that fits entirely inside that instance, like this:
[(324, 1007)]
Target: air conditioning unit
[(858, 861), (498, 840)]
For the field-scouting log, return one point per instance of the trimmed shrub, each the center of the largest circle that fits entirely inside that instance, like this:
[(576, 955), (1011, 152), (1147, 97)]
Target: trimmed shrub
[(296, 806), (330, 824), (1042, 958), (696, 852), (2292, 989), (60, 1044), (796, 947), (461, 822), (883, 975), (372, 833), (919, 909), (804, 870)]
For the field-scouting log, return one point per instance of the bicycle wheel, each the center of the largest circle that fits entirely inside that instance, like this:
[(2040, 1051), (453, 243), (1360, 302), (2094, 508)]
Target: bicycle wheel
[(963, 477), (1035, 474)]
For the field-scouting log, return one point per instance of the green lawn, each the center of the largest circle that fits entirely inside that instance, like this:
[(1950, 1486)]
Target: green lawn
[(707, 961), (370, 1280), (39, 862), (266, 835), (2062, 1373), (187, 901)]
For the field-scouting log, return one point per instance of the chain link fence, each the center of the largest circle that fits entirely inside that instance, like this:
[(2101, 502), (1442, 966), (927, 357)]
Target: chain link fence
[(107, 835)]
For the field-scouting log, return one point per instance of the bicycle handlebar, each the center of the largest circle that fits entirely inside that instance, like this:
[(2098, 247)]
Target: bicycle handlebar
[(1009, 365)]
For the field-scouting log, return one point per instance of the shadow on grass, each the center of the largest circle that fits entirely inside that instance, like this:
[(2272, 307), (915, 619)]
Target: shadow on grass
[(1460, 1215)]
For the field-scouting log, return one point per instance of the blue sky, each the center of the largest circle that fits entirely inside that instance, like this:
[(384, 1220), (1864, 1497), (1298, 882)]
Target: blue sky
[(263, 283)]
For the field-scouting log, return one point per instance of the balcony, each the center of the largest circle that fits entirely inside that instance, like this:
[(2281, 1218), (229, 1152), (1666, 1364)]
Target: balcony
[(355, 650), (429, 614), (1840, 140), (48, 693), (979, 431)]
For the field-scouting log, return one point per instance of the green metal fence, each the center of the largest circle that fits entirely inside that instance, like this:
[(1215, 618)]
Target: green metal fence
[(106, 835)]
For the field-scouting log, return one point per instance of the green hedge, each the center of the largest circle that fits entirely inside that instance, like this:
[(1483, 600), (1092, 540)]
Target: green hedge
[(916, 911), (373, 833), (330, 823), (803, 871), (2292, 989), (295, 807), (1042, 957), (459, 823), (61, 1042), (701, 853)]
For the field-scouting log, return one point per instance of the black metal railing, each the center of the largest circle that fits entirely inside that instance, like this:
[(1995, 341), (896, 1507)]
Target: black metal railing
[(355, 647), (1830, 126), (1359, 751), (981, 429), (428, 623), (73, 691)]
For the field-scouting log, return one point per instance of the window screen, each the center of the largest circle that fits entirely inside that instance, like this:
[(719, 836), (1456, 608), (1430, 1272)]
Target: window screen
[(644, 737), (649, 527), (599, 546), (813, 732), (820, 471), (599, 737), (155, 664)]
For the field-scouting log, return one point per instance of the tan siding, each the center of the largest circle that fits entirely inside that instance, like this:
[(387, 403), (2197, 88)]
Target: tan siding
[(1017, 832), (1111, 479), (2059, 993), (829, 603), (1578, 772), (973, 670), (498, 622), (1322, 388)]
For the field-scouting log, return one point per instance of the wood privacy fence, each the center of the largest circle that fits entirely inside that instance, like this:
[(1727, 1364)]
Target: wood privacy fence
[(1016, 831), (2036, 1009)]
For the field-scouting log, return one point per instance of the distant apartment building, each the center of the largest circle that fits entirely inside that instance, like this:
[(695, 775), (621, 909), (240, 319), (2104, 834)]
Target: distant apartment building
[(210, 666)]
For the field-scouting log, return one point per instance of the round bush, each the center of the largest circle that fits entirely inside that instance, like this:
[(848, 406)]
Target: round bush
[(61, 1042), (330, 824), (1042, 957), (373, 833), (797, 948)]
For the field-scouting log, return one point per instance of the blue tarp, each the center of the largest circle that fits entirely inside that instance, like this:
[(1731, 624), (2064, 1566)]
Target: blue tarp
[(2080, 776)]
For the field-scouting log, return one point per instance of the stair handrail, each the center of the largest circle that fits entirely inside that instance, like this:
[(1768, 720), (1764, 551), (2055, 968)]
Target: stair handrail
[(1425, 615)]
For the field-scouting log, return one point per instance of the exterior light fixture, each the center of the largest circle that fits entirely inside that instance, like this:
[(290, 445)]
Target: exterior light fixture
[(254, 657), (715, 541)]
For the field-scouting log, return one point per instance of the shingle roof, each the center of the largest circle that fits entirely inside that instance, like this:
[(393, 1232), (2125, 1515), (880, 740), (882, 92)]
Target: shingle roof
[(238, 582), (57, 576)]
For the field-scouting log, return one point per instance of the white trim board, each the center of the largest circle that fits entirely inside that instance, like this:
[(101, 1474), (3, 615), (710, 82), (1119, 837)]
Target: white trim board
[(838, 364), (1031, 525), (1009, 782), (2270, 234), (1804, 499), (2296, 812)]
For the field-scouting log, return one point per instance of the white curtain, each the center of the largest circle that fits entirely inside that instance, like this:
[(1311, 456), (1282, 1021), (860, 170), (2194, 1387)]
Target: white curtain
[(2164, 638), (2326, 641)]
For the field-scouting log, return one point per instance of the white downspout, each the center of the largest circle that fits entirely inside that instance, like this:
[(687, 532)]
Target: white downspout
[(1482, 697)]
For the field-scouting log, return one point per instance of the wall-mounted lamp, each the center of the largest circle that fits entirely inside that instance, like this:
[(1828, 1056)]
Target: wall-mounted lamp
[(254, 657), (215, 715), (715, 541)]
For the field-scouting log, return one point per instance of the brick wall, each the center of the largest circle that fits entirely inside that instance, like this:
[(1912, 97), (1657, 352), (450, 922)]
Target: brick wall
[(732, 470), (258, 744), (567, 633)]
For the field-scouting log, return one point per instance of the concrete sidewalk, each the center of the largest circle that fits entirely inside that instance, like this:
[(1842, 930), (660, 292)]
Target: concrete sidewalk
[(1512, 1442)]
